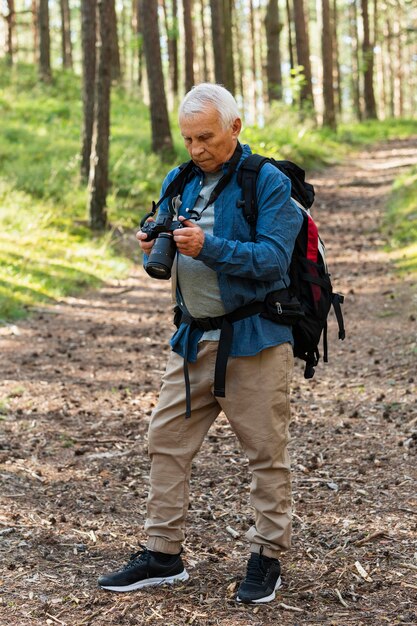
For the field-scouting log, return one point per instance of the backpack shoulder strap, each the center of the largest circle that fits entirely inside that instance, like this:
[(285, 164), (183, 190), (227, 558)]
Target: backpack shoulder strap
[(301, 191), (247, 175)]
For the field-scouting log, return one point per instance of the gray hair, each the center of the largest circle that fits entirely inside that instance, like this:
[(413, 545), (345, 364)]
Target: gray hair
[(207, 95)]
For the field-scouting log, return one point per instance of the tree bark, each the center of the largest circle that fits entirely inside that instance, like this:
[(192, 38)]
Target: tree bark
[(368, 63), (217, 29), (11, 22), (273, 29), (88, 44), (99, 161), (355, 84), (171, 27), (204, 42), (228, 45), (45, 42), (290, 21), (116, 71), (35, 32), (336, 63), (161, 131), (329, 114), (66, 34), (303, 52), (189, 44)]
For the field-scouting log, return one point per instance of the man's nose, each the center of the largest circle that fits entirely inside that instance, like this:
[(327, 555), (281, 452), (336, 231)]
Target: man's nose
[(197, 150)]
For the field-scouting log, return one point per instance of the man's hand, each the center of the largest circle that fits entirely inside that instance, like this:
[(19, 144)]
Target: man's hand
[(141, 237), (189, 239)]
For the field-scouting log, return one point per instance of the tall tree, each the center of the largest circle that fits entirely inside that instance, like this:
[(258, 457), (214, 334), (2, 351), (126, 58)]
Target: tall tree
[(290, 34), (161, 131), (390, 67), (355, 85), (88, 44), (204, 43), (336, 62), (116, 71), (329, 114), (171, 27), (139, 39), (253, 64), (189, 47), (44, 41), (99, 160), (11, 22), (273, 29), (35, 31), (229, 78), (368, 63), (303, 51), (217, 35), (66, 34)]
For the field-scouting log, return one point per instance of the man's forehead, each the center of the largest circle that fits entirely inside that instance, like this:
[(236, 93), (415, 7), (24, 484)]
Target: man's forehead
[(204, 119)]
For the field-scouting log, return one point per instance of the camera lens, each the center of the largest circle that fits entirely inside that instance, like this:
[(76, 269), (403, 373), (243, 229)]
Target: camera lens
[(161, 257)]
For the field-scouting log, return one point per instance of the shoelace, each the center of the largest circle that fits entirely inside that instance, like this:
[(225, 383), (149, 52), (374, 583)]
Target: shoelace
[(255, 570), (138, 557)]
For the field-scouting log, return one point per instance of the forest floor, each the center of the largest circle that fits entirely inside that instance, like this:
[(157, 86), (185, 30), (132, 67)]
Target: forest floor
[(78, 382)]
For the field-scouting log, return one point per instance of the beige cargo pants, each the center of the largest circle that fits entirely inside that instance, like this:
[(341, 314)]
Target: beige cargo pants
[(258, 410)]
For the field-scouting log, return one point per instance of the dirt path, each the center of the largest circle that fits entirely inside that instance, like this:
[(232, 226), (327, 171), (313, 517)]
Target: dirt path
[(77, 386)]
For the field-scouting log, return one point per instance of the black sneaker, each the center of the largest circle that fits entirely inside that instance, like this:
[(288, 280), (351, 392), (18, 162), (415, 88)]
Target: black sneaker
[(263, 577), (145, 569)]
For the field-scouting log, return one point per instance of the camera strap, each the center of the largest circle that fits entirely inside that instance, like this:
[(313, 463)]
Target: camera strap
[(177, 185), (223, 182)]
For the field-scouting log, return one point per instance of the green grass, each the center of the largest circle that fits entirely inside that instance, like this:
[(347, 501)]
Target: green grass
[(401, 222), (46, 250)]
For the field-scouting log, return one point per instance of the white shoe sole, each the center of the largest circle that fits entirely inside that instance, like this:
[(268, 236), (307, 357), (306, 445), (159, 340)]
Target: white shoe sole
[(150, 582), (266, 598)]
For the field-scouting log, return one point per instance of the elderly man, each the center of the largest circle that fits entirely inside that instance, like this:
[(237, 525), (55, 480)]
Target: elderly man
[(222, 272)]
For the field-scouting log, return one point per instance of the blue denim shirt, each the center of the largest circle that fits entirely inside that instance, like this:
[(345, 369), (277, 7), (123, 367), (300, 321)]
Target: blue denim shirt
[(247, 269)]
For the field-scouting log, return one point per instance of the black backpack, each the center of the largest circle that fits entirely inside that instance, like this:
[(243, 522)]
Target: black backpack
[(306, 303)]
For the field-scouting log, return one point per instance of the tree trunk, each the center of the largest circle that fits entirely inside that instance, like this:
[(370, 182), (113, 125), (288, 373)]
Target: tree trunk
[(66, 34), (273, 56), (290, 21), (355, 85), (88, 44), (161, 132), (99, 161), (45, 42), (116, 71), (303, 52), (35, 32), (217, 29), (336, 63), (329, 115), (204, 42), (389, 55), (139, 37), (368, 63), (228, 45), (237, 25), (11, 22), (253, 61), (189, 44), (171, 27)]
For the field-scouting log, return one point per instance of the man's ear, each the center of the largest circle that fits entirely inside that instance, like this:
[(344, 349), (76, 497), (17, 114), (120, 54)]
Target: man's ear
[(236, 127)]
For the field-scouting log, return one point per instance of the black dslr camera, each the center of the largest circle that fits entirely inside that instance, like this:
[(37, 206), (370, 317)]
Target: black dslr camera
[(162, 255)]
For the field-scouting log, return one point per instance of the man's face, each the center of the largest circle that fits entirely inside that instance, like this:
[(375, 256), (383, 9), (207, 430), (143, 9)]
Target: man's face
[(209, 144)]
